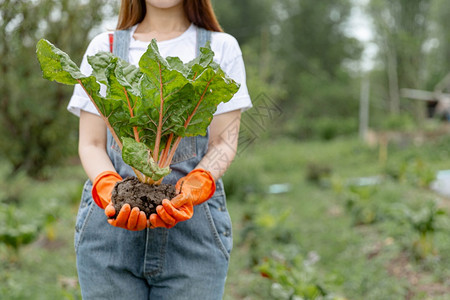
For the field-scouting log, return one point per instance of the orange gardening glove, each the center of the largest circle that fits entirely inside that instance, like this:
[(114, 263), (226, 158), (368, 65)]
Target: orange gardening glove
[(194, 189), (103, 186), (131, 219)]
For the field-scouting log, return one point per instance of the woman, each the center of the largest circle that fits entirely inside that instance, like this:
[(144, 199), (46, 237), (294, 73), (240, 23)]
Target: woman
[(181, 252)]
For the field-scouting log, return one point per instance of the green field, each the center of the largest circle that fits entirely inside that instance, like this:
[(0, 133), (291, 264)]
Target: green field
[(311, 220)]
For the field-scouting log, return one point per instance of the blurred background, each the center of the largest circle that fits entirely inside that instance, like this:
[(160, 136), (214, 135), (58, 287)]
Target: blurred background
[(341, 186)]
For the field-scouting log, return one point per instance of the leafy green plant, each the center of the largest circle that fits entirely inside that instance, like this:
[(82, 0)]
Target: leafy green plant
[(425, 223), (294, 276), (317, 172), (242, 180), (414, 171), (18, 229), (423, 174), (396, 170), (149, 109), (359, 202), (13, 231), (422, 223), (262, 223)]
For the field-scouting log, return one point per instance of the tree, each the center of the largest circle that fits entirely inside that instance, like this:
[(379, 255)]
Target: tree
[(36, 130), (249, 22), (437, 44), (401, 28), (245, 20), (296, 53), (316, 49)]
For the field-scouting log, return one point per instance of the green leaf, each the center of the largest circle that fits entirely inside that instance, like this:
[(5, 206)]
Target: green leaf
[(175, 63), (99, 63), (167, 93), (203, 60), (211, 87), (122, 105), (139, 156), (129, 76), (162, 97), (57, 65), (164, 81)]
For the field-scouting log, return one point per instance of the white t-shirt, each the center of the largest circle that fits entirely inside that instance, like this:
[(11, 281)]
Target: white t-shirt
[(226, 53)]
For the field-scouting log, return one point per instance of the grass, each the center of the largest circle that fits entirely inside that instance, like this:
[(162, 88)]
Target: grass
[(365, 261), (319, 235), (44, 269)]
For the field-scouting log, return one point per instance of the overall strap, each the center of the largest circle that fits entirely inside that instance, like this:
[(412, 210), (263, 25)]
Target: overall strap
[(121, 45), (203, 36)]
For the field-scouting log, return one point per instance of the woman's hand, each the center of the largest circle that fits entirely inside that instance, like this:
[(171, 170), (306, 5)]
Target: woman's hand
[(130, 219), (194, 189)]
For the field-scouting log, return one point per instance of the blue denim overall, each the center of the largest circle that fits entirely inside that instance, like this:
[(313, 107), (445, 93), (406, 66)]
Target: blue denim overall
[(189, 261)]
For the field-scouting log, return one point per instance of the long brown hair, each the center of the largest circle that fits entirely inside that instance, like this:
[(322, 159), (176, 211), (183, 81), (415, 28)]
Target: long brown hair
[(199, 12)]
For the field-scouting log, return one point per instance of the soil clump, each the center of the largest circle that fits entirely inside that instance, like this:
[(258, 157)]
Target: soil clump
[(142, 195)]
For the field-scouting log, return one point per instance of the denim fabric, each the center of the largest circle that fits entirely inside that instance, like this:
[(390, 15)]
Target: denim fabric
[(189, 261)]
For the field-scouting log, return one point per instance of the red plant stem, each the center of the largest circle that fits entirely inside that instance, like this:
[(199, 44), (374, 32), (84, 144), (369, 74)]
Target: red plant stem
[(172, 152), (116, 138), (113, 133), (135, 130), (163, 157), (188, 120), (159, 129)]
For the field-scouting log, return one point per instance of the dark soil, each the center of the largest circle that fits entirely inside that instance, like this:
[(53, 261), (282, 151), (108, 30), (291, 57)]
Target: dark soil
[(144, 196)]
